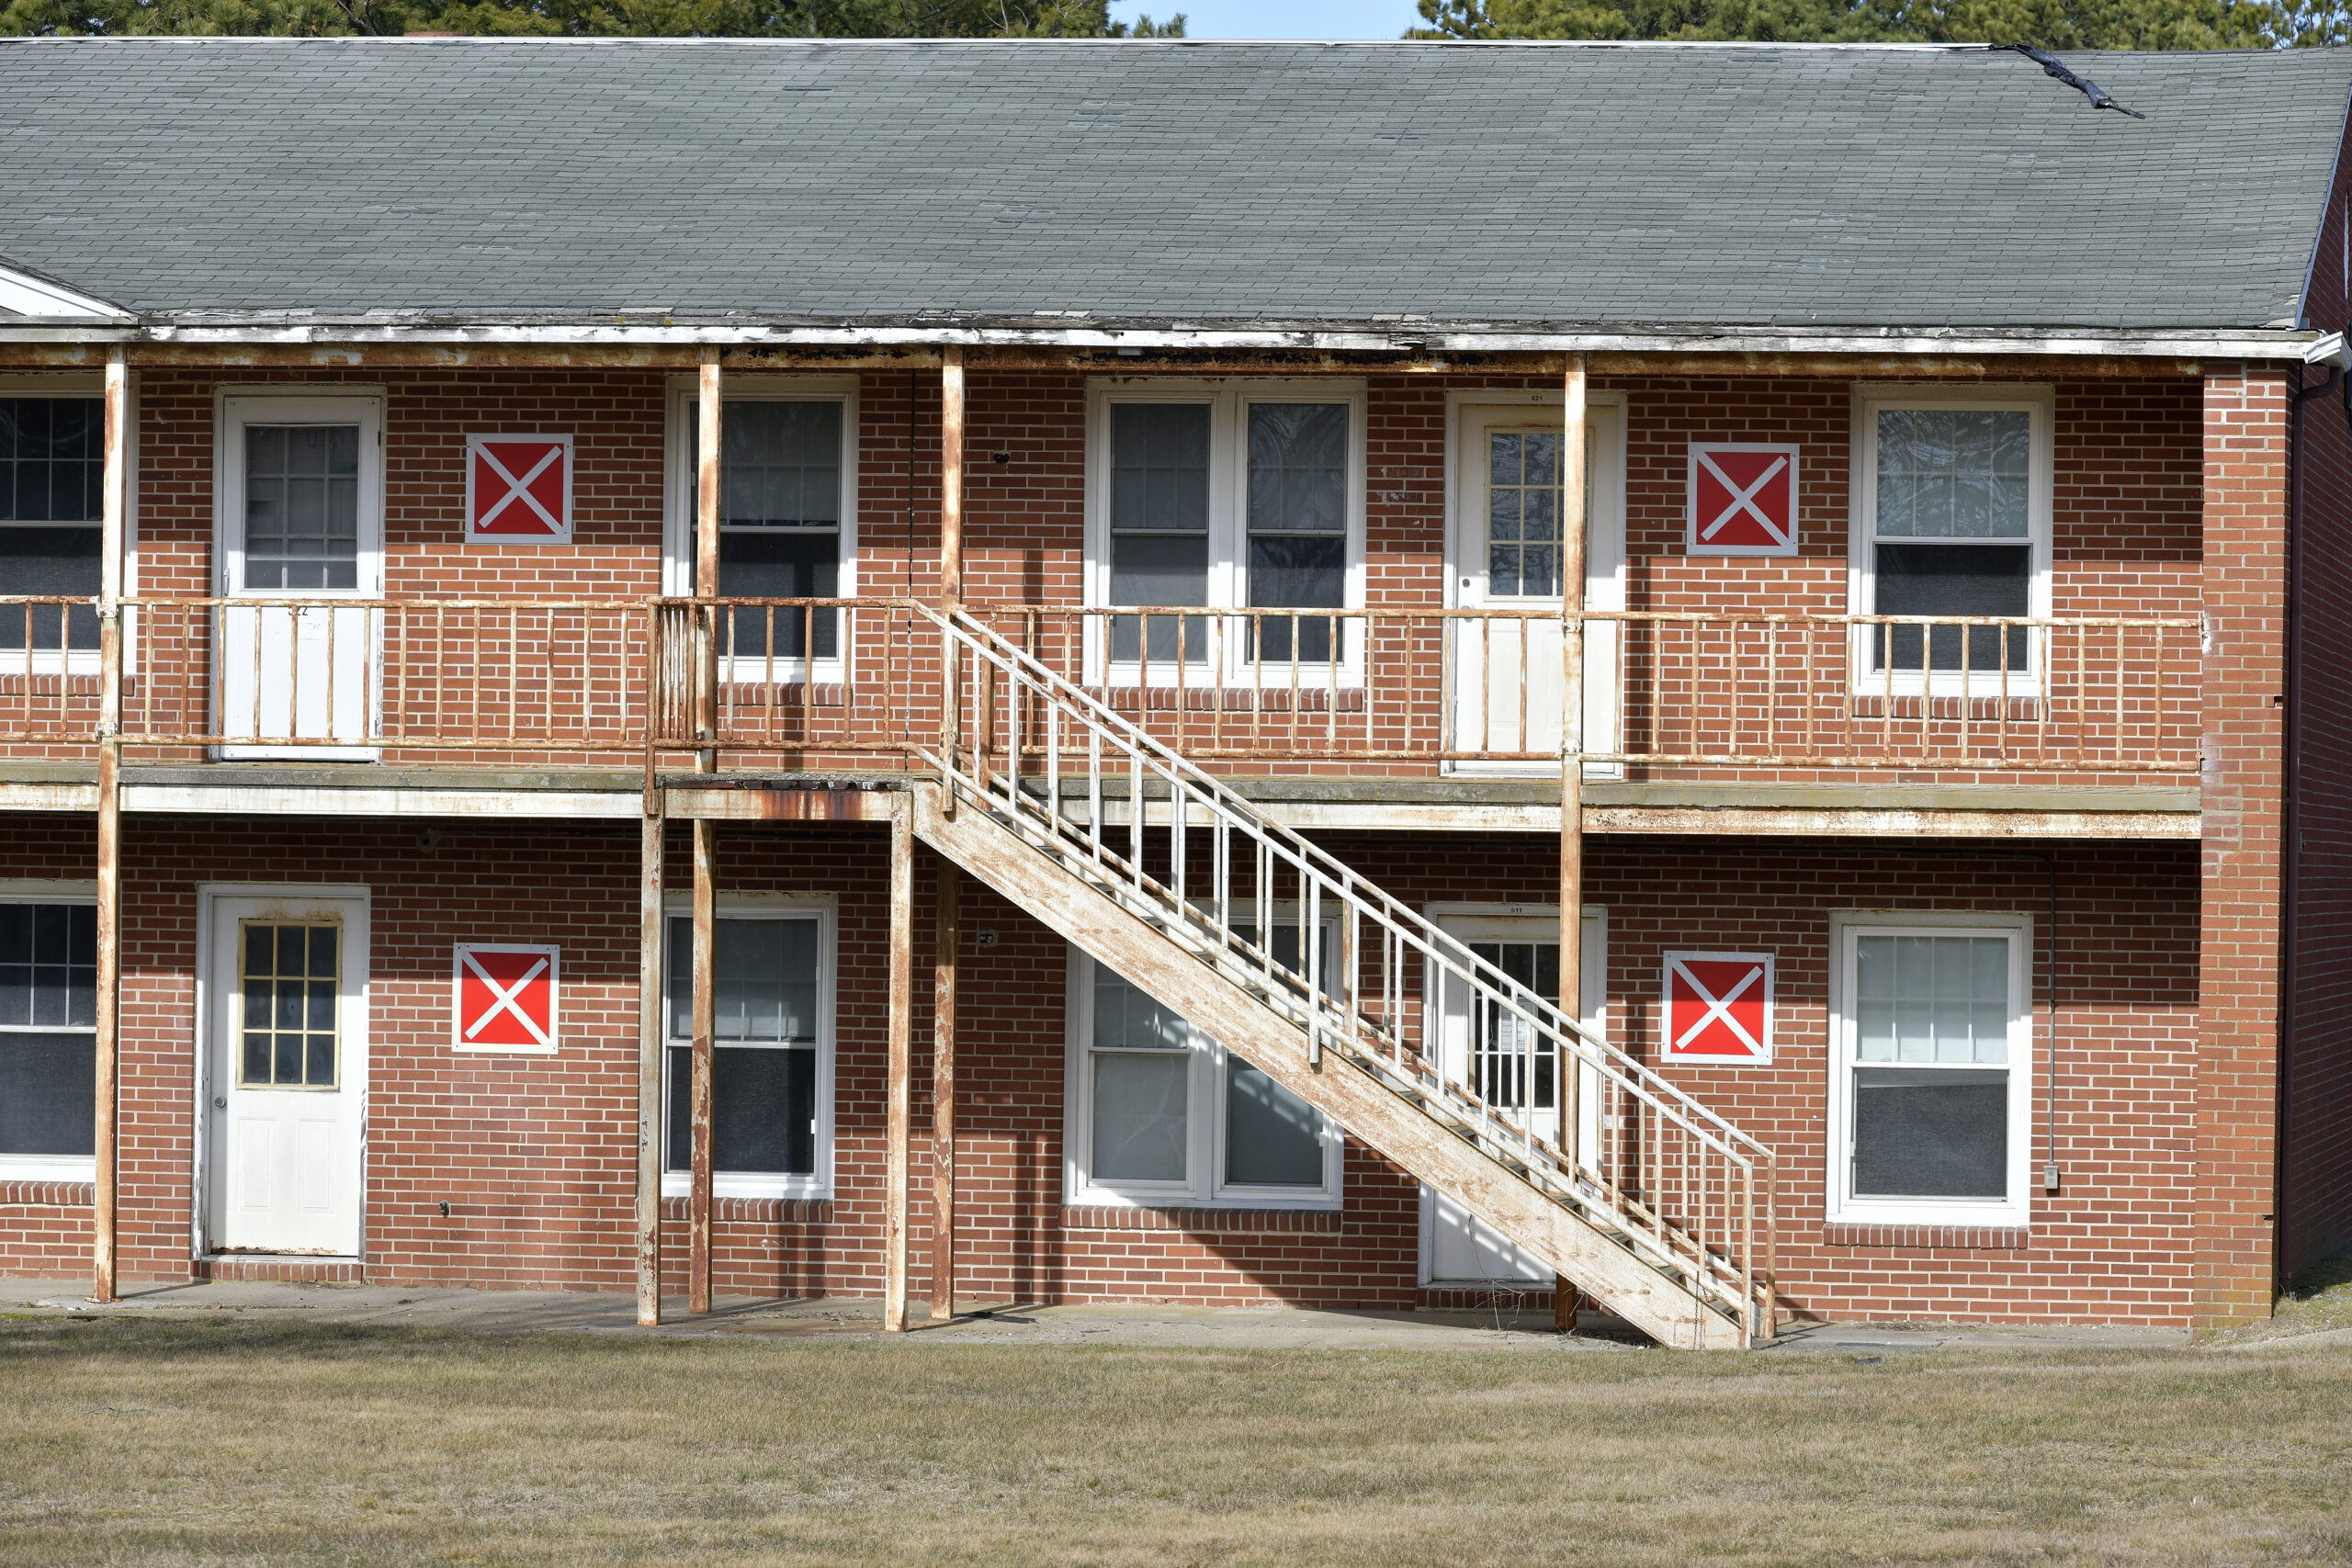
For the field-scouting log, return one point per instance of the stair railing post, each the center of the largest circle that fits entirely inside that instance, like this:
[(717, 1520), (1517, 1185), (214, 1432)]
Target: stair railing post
[(106, 1141), (1572, 575)]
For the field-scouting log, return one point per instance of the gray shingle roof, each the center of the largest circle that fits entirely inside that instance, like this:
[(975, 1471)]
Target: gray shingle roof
[(1564, 186)]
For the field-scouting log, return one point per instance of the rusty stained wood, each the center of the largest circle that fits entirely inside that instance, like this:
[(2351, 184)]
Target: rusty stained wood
[(1389, 1124), (113, 504), (1573, 460), (650, 1035), (705, 857), (901, 1068), (721, 802), (710, 411), (944, 954)]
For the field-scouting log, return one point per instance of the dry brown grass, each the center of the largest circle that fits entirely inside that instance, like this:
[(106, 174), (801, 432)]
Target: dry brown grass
[(183, 1443)]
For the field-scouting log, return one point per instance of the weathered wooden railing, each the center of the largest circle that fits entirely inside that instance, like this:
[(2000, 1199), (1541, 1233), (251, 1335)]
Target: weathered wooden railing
[(851, 682)]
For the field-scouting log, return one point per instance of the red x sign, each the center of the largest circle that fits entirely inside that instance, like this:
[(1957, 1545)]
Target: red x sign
[(505, 999), (518, 490), (1743, 500), (1719, 1007)]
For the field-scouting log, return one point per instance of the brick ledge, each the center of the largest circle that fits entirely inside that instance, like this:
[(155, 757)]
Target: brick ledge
[(283, 1269), (49, 1194), (756, 1211), (1962, 1238), (1219, 1222)]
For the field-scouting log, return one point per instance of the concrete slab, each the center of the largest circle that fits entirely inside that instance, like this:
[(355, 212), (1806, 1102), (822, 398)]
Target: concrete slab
[(1228, 1329)]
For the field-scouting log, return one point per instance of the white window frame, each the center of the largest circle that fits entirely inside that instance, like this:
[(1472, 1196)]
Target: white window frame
[(1204, 1185), (825, 909), (681, 466), (1861, 573), (1228, 399), (279, 404), (47, 1167), (84, 384), (2016, 1211)]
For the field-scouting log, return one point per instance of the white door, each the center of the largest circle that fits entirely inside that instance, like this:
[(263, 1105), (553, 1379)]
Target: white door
[(1493, 1059), (1507, 674), (288, 1100), (301, 518)]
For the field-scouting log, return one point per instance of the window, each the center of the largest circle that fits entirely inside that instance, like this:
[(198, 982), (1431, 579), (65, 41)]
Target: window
[(291, 974), (786, 481), (771, 1100), (1930, 1096), (49, 975), (52, 477), (1160, 1114), (1223, 494), (1511, 1069), (1954, 499), (301, 507), (1523, 514)]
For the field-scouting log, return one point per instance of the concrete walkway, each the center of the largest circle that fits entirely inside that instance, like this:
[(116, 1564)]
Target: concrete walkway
[(511, 1312)]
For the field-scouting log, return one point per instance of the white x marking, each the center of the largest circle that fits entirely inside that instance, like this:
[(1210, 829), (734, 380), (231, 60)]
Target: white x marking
[(520, 489), (503, 999), (1743, 500), (1718, 1007)]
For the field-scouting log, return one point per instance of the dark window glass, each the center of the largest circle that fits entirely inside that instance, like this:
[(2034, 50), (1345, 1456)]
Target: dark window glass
[(779, 521), (763, 1110), (1952, 579), (779, 565), (301, 507), (1298, 519), (1928, 1133), (49, 965), (763, 1066), (1160, 526), (1511, 1065), (49, 1094), (1523, 514), (47, 1014), (53, 459), (1272, 1138)]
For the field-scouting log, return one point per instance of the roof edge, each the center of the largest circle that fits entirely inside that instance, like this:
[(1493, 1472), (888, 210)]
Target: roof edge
[(41, 297)]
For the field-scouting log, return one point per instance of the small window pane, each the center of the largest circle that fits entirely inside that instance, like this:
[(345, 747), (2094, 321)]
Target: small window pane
[(763, 980), (288, 979), (1272, 1138), (47, 563), (763, 1110), (52, 460), (1953, 580), (780, 465), (49, 965), (1298, 467), (301, 508), (1127, 1019), (1954, 473), (779, 565), (1924, 1134), (1303, 571), (49, 1096), (1159, 467), (1141, 1126), (1931, 998)]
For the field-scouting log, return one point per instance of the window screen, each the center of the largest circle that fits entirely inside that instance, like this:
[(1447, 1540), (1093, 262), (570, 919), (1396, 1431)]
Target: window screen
[(52, 478), (1160, 526), (1933, 1122), (1959, 482), (301, 507), (1298, 522), (48, 1020), (763, 1061), (1141, 1064), (779, 524)]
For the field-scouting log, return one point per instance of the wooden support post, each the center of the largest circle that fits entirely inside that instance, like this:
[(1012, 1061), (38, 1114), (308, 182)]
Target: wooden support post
[(1572, 575), (710, 411), (651, 1033), (943, 1090), (706, 937), (950, 556), (111, 534), (901, 1061)]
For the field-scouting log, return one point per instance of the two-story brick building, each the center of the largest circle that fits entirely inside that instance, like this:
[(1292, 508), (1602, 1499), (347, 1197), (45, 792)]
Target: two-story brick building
[(788, 669)]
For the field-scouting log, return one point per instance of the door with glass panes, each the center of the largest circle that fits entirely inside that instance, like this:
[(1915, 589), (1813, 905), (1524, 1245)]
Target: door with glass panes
[(288, 1072), (1506, 672), (302, 527), (1498, 1058)]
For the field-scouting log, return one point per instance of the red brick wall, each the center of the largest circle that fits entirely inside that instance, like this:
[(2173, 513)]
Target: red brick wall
[(535, 1156), (2245, 685)]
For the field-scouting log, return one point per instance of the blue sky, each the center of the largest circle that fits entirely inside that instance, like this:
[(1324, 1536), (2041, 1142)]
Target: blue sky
[(1279, 18)]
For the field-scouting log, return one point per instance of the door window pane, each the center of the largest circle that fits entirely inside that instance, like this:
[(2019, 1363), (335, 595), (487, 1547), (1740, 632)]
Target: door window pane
[(1160, 526), (301, 507), (1512, 1067), (1523, 514), (287, 979), (1922, 1133), (48, 1043)]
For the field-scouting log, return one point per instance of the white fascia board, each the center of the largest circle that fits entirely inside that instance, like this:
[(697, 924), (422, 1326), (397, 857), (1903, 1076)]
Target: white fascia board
[(27, 294), (2225, 344)]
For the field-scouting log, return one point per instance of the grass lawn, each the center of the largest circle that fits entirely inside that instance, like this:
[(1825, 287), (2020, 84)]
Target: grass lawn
[(177, 1442)]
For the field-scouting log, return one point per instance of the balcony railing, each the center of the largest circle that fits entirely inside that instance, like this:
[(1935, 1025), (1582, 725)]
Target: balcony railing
[(806, 683)]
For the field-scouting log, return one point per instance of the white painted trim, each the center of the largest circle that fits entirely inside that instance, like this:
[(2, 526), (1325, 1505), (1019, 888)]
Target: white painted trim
[(2039, 402), (47, 1167), (1841, 1206), (28, 294), (1228, 399), (200, 1147), (561, 534), (825, 909)]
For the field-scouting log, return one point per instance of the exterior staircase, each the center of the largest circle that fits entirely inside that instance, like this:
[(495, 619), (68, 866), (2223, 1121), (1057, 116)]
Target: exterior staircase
[(1648, 1202)]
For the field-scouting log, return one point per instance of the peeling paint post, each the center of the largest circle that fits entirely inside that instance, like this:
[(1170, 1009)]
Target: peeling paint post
[(650, 1034), (110, 955), (902, 941), (951, 553), (1572, 575), (709, 410), (698, 1203), (943, 1090)]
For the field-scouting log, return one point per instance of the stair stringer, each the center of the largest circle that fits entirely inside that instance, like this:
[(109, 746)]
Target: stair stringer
[(1100, 925)]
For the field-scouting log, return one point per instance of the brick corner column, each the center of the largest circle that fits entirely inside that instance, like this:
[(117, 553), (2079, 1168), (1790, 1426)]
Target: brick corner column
[(2242, 776)]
